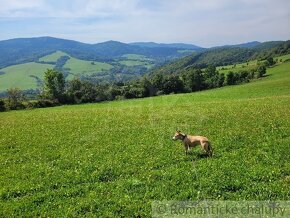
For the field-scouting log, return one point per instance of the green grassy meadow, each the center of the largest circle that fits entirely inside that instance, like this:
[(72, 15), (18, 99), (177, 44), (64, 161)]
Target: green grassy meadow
[(20, 75), (136, 60), (53, 57), (238, 67), (131, 63), (136, 57), (250, 65), (78, 66), (113, 159), (282, 58)]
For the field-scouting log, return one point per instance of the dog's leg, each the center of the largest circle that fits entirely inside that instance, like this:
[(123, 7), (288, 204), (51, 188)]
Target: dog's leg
[(186, 149), (207, 148), (210, 149), (204, 147)]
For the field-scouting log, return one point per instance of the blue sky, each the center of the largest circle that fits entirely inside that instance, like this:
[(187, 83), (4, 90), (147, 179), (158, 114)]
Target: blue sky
[(201, 22)]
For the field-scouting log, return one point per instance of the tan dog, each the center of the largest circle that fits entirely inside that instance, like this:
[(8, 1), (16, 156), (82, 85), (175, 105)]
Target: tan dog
[(193, 141)]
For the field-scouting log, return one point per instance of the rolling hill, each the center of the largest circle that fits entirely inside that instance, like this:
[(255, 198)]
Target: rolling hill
[(30, 75), (112, 61), (223, 56), (21, 50), (114, 159), (107, 61)]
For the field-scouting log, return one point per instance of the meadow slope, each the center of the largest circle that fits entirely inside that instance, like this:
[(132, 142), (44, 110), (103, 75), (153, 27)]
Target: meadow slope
[(23, 76), (112, 159)]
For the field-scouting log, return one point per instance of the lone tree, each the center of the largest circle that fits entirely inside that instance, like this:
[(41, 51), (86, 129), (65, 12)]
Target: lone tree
[(270, 61), (54, 85)]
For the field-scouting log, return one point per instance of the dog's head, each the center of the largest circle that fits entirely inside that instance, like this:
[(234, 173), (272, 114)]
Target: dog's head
[(178, 135)]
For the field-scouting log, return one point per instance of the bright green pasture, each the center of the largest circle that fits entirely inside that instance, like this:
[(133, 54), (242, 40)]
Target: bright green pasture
[(282, 58), (78, 66), (131, 63), (238, 67), (53, 57), (136, 57), (20, 75), (249, 65), (136, 60), (113, 159)]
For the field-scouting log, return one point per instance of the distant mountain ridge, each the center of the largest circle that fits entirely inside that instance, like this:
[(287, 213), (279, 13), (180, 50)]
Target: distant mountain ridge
[(168, 45), (14, 51), (21, 50), (111, 61), (242, 45)]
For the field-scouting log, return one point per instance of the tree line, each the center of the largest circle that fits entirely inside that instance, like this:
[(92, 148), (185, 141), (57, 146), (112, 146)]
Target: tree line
[(57, 91)]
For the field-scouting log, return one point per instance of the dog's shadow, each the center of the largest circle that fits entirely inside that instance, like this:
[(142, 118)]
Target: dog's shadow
[(199, 156)]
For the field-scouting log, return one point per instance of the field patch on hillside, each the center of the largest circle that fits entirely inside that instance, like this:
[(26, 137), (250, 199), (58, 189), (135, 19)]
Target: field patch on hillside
[(283, 58), (132, 60), (53, 57), (238, 67), (80, 67), (23, 76), (136, 57)]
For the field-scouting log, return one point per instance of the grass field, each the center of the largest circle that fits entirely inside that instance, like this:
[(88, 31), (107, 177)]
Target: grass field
[(238, 67), (131, 63), (112, 159), (282, 58), (78, 66), (249, 65), (136, 57), (137, 60), (20, 75), (53, 57)]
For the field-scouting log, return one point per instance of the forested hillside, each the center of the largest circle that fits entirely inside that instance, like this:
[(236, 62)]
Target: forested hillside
[(225, 56)]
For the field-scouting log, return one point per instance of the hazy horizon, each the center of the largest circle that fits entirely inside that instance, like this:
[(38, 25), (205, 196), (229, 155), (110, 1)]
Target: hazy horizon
[(205, 23), (133, 41)]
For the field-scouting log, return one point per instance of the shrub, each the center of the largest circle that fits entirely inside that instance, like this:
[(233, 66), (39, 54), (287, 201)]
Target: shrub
[(14, 99), (230, 78), (160, 93), (2, 105), (80, 92), (40, 103), (173, 84), (119, 97), (261, 71), (244, 76), (269, 62)]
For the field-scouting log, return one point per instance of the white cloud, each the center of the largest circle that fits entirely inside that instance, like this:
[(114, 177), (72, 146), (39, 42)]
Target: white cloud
[(18, 8), (204, 22)]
